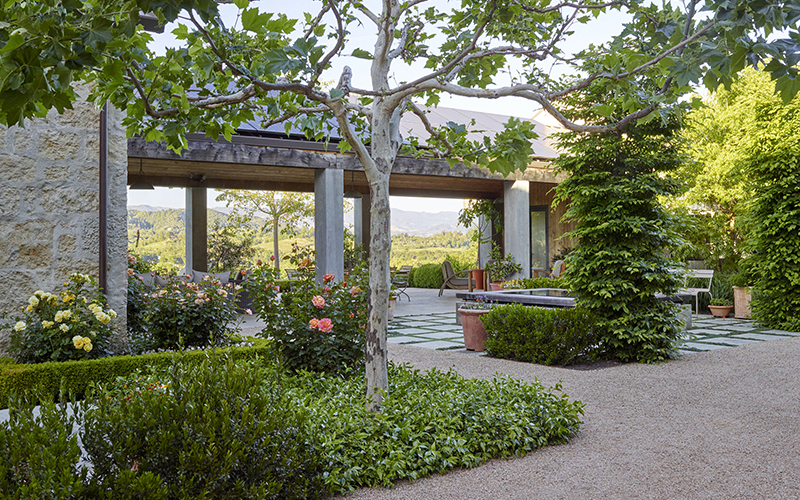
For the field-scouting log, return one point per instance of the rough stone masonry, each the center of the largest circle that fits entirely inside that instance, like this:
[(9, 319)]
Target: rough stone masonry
[(49, 205)]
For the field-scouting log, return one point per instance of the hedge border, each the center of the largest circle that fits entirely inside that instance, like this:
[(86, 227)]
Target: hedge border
[(76, 375)]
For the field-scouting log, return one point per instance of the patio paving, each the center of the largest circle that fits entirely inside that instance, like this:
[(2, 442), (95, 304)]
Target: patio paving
[(438, 330)]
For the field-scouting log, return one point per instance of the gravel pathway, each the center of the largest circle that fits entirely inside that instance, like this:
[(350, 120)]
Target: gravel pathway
[(722, 424)]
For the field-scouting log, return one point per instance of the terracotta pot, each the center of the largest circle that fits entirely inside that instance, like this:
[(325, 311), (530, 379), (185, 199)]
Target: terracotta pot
[(741, 302), (392, 302), (477, 275), (496, 286), (720, 311), (474, 332)]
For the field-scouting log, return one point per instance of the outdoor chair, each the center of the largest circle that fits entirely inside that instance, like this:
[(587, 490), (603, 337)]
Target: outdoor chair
[(292, 274), (452, 280), (400, 279), (556, 272), (698, 274)]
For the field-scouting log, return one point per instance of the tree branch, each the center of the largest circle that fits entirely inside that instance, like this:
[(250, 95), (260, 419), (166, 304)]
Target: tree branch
[(315, 23), (576, 6), (370, 15), (433, 132), (339, 42)]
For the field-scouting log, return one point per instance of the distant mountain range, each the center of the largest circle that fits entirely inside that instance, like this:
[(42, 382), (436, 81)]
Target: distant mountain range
[(411, 223)]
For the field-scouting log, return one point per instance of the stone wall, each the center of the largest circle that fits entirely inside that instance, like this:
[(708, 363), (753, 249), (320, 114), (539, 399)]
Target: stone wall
[(49, 206)]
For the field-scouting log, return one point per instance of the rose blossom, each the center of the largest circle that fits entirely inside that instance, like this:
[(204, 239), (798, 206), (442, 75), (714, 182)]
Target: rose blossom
[(318, 301), (325, 325), (327, 278), (313, 323)]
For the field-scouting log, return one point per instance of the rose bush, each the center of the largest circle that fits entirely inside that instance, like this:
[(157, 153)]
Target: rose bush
[(72, 325), (182, 314), (319, 327)]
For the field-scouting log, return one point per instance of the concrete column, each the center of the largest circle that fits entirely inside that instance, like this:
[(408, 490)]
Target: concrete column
[(196, 229), (517, 230), (358, 232), (485, 226), (329, 222), (366, 203)]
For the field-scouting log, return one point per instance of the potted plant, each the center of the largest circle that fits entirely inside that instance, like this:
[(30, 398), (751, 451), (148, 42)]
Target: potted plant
[(471, 324), (720, 308), (499, 268), (742, 294)]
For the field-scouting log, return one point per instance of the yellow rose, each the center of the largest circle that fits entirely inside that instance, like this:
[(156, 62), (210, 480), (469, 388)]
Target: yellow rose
[(39, 293), (19, 326), (33, 301), (64, 328), (87, 346), (29, 308), (47, 324), (78, 342), (111, 313)]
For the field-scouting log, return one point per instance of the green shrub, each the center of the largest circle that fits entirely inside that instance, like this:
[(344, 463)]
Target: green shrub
[(429, 423), (75, 324), (39, 455), (183, 314), (524, 283), (543, 336), (218, 429), (427, 276), (75, 376), (314, 327)]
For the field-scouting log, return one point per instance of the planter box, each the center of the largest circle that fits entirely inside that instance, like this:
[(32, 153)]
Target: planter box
[(720, 311), (741, 302)]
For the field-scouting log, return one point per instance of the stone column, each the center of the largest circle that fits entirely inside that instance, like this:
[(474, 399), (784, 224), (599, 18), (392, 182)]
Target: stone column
[(329, 222), (196, 215), (517, 230), (485, 226)]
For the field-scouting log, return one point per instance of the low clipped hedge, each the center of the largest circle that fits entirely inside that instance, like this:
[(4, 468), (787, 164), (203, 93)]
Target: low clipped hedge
[(525, 283), (48, 379), (542, 335), (426, 276)]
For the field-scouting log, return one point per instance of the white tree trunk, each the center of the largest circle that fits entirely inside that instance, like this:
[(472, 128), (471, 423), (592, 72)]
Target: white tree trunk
[(378, 298)]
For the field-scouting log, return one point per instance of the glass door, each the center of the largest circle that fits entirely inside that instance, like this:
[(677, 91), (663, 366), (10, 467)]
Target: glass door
[(539, 254)]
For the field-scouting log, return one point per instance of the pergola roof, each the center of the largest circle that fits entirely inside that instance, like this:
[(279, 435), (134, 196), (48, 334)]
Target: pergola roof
[(269, 160)]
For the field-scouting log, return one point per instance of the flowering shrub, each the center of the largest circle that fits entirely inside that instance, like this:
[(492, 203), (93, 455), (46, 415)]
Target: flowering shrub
[(314, 327), (75, 324), (183, 314)]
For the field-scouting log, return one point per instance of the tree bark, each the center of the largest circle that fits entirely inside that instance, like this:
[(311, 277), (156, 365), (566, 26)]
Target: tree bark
[(275, 232)]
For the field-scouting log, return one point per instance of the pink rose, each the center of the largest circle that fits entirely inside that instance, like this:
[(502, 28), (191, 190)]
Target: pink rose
[(318, 301), (327, 278), (325, 325), (313, 323), (354, 290)]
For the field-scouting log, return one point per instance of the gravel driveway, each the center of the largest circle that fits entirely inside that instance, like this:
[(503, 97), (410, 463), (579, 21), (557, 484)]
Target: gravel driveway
[(722, 424)]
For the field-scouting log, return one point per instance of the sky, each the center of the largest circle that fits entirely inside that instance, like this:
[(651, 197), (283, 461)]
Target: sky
[(597, 31)]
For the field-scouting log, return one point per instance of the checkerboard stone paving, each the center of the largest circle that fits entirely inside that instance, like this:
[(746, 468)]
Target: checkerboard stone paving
[(440, 331), (433, 331), (708, 334)]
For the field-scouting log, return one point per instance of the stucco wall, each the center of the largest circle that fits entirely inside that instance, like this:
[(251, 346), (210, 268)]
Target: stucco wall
[(49, 206)]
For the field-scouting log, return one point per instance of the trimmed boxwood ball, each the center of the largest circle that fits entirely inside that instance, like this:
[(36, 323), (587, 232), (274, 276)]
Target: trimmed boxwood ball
[(543, 336), (427, 276)]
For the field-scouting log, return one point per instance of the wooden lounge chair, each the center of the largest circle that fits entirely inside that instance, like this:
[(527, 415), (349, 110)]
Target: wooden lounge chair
[(400, 279), (452, 280), (557, 271)]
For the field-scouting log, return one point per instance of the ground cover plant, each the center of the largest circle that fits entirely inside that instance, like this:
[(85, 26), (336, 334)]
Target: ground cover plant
[(227, 429)]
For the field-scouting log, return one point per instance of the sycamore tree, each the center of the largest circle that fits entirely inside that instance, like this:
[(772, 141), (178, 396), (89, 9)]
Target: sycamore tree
[(266, 66), (283, 211)]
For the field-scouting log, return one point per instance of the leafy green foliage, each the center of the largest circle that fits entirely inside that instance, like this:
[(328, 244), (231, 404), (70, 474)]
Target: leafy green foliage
[(774, 164), (184, 314), (39, 455), (544, 336), (523, 283), (619, 264), (219, 429), (430, 422), (230, 248), (314, 327), (427, 276), (75, 324), (74, 377), (498, 267)]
